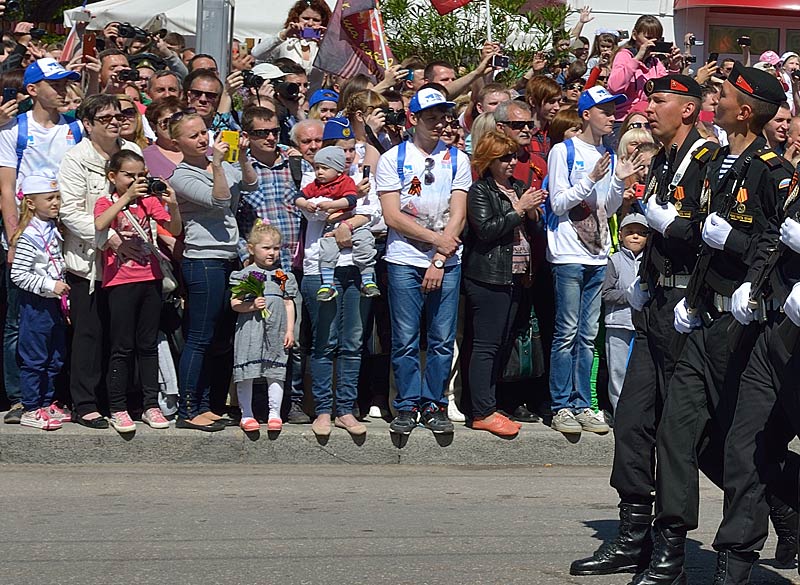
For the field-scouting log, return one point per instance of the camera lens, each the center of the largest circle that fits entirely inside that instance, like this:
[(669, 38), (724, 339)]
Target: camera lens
[(156, 186)]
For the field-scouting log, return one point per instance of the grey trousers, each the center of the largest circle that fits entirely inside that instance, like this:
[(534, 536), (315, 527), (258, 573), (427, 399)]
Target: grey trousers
[(618, 348), (363, 252)]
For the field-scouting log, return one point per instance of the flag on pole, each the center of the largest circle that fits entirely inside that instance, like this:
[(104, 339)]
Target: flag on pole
[(355, 41), (74, 40), (447, 6)]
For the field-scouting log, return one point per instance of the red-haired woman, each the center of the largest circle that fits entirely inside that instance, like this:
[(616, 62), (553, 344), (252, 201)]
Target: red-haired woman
[(497, 258)]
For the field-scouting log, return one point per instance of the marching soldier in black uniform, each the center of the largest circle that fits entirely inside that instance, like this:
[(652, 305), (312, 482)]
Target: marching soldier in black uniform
[(745, 186), (676, 180)]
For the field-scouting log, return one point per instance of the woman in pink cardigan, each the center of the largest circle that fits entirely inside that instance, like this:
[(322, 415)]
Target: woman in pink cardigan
[(635, 63)]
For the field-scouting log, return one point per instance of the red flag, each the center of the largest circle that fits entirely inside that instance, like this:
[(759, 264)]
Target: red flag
[(355, 41), (447, 6)]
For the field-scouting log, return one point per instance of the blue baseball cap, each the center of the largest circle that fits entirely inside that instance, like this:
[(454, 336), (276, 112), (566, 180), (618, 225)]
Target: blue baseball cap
[(594, 96), (428, 98), (338, 129), (47, 69), (323, 95)]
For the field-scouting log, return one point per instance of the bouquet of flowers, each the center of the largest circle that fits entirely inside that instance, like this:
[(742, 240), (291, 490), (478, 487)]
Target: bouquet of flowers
[(251, 288)]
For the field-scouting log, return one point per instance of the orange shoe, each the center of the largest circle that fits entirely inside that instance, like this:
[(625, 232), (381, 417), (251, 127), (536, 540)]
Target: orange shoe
[(274, 424), (496, 424), (513, 422), (249, 425)]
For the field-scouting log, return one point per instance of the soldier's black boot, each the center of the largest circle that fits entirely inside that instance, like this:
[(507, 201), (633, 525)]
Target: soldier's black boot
[(629, 552), (784, 519), (666, 562), (733, 568)]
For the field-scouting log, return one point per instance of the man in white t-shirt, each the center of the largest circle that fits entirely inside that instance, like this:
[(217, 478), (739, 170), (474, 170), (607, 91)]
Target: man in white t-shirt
[(423, 191), (49, 136), (583, 195)]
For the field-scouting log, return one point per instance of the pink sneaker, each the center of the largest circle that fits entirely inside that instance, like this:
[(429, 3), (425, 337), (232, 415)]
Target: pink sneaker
[(154, 418), (39, 419), (249, 425), (122, 422), (274, 424), (55, 411)]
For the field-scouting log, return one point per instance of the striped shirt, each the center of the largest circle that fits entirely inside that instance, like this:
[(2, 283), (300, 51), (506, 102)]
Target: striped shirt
[(38, 262), (729, 161)]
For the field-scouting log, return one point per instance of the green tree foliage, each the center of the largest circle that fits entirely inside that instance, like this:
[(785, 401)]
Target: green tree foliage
[(414, 28)]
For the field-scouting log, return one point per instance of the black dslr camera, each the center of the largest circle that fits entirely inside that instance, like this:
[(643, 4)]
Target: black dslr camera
[(128, 31), (156, 186), (128, 75), (251, 80), (288, 90), (395, 117)]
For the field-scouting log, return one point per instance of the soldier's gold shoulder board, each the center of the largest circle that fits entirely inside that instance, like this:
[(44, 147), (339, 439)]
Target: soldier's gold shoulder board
[(771, 159)]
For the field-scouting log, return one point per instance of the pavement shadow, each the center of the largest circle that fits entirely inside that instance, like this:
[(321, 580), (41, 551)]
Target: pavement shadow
[(253, 435)]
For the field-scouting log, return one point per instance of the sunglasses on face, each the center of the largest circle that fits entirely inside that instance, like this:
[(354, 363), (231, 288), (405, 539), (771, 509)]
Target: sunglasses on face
[(516, 124), (577, 86), (602, 77), (506, 158), (264, 132), (196, 94), (645, 125), (129, 113), (106, 120), (428, 176)]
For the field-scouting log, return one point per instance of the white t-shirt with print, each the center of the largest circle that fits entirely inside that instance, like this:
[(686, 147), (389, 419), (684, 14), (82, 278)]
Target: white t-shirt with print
[(431, 207), (46, 147)]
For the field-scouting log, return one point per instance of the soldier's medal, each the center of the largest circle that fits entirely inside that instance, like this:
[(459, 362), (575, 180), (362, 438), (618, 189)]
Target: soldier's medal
[(651, 187), (741, 199), (705, 195), (794, 186), (679, 197)]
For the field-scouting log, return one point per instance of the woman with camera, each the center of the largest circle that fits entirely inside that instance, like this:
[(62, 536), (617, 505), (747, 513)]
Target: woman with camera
[(497, 260), (82, 179), (208, 196), (645, 56)]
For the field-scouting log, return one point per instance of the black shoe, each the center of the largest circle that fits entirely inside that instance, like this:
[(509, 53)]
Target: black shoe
[(297, 416), (733, 569), (629, 552), (14, 415), (523, 415), (96, 423), (666, 562), (404, 422), (435, 419), (785, 520), (227, 420), (183, 423)]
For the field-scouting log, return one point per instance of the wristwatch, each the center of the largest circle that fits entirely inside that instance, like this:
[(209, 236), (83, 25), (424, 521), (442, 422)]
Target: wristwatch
[(438, 264)]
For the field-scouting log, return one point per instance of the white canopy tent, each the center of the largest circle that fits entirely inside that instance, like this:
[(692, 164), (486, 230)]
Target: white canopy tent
[(252, 18)]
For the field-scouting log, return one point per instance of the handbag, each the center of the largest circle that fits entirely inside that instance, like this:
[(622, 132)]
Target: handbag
[(169, 282), (526, 355)]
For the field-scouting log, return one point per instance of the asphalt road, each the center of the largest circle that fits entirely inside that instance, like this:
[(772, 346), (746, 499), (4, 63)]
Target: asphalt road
[(296, 524)]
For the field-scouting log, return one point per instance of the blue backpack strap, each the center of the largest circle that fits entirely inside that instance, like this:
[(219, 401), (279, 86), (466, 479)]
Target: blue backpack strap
[(76, 131), (401, 161), (453, 163), (551, 219), (570, 158), (22, 137)]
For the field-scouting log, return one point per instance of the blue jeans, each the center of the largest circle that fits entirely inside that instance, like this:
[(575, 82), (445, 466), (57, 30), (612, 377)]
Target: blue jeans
[(336, 325), (10, 336), (209, 320), (577, 290), (41, 348), (407, 303)]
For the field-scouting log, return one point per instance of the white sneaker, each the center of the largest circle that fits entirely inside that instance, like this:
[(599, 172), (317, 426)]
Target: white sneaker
[(377, 412), (154, 418), (564, 422), (453, 413), (122, 422), (592, 422), (39, 419)]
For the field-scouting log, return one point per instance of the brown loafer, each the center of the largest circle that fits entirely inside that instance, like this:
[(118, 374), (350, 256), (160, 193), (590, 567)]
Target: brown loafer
[(496, 424), (321, 426), (350, 424)]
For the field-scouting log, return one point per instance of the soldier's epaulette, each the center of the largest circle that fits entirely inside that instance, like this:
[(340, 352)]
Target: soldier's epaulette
[(705, 153), (716, 154), (769, 157)]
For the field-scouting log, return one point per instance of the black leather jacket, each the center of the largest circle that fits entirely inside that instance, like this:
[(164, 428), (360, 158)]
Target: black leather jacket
[(489, 241)]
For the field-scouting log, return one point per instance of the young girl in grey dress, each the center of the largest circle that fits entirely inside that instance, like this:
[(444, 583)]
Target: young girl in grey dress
[(265, 327)]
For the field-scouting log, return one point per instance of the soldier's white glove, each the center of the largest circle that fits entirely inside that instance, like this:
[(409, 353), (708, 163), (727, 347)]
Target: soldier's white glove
[(637, 298), (716, 231), (740, 304), (790, 234), (684, 323), (792, 305), (660, 217)]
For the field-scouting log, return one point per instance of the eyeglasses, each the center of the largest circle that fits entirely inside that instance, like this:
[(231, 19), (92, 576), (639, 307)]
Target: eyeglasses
[(428, 176), (507, 157), (517, 124), (645, 125), (129, 113), (106, 120), (196, 94), (264, 132), (577, 85)]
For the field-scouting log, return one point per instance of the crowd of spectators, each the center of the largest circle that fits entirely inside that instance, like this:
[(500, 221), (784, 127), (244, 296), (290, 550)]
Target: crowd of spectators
[(335, 236)]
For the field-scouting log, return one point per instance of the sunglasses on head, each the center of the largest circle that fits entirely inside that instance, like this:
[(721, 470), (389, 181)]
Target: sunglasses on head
[(645, 125), (264, 132), (516, 124), (196, 94), (177, 116), (507, 157)]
